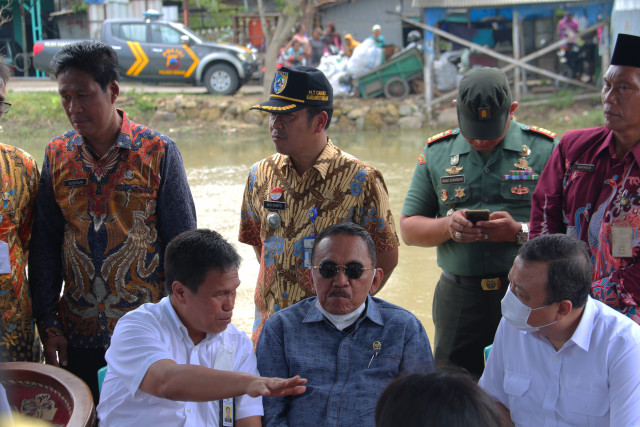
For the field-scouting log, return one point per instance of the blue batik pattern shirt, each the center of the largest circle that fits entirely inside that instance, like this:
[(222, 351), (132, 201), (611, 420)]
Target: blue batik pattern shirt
[(101, 226)]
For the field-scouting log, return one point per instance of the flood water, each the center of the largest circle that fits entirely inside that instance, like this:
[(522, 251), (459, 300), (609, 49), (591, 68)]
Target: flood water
[(217, 168)]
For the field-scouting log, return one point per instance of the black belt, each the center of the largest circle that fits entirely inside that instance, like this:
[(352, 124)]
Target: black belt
[(488, 283)]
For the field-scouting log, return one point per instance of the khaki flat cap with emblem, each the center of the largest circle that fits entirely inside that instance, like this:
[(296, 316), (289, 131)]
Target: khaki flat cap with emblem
[(294, 88), (483, 103)]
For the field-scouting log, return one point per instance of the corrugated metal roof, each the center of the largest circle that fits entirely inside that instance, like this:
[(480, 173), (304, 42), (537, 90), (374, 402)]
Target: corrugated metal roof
[(455, 4)]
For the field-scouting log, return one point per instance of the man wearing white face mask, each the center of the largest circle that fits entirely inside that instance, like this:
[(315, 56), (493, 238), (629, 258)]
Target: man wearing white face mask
[(560, 357)]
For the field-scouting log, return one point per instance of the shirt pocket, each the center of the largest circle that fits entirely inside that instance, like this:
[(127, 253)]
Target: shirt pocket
[(453, 193), (381, 363), (135, 197), (588, 408), (517, 190), (516, 386)]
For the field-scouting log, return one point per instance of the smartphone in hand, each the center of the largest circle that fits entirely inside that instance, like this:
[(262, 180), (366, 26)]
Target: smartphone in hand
[(475, 215)]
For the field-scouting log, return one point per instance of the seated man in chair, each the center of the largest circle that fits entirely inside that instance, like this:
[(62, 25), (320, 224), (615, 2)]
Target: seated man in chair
[(350, 344), (181, 361), (561, 357)]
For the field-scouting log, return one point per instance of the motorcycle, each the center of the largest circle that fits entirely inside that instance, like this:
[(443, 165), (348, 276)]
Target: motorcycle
[(575, 61)]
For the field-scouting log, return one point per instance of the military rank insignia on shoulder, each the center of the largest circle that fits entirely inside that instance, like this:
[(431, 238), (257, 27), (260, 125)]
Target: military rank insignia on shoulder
[(543, 131), (440, 136), (422, 158)]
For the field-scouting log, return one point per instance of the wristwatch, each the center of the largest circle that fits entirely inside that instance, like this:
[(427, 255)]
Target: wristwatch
[(523, 234)]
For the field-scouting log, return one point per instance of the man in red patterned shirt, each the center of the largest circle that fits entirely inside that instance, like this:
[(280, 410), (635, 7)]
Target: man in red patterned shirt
[(590, 189)]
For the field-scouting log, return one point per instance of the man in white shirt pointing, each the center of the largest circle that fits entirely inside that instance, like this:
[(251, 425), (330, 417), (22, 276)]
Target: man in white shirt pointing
[(181, 361)]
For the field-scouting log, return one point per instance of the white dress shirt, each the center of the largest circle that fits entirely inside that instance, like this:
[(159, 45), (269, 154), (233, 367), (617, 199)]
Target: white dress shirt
[(593, 380), (154, 332)]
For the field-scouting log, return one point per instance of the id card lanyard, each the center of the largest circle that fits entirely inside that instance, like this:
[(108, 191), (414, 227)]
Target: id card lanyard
[(308, 241), (227, 416), (622, 235), (225, 356)]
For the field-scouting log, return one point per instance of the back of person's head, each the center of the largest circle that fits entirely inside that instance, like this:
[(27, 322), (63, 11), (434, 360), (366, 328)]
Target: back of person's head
[(347, 229), (93, 57), (192, 254), (298, 27), (437, 399), (569, 274)]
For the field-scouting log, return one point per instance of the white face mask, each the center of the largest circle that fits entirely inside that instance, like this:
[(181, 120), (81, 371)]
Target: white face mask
[(517, 313)]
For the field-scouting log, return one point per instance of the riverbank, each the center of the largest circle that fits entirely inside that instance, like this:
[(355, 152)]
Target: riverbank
[(233, 114), (36, 112)]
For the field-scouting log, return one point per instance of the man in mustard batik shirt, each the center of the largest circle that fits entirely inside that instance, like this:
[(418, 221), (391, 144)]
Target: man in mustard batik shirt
[(309, 185)]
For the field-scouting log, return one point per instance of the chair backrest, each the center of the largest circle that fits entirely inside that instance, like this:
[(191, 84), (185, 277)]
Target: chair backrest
[(49, 393), (101, 374), (487, 350)]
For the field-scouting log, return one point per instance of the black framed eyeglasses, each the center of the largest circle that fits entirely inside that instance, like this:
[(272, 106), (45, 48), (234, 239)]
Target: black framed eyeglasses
[(4, 107), (352, 270)]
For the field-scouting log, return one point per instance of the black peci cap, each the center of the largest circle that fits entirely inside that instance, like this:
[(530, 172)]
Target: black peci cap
[(627, 51)]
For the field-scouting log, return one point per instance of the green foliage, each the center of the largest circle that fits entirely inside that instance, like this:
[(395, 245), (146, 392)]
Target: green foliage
[(562, 112), (146, 104), (78, 6), (565, 98), (211, 14)]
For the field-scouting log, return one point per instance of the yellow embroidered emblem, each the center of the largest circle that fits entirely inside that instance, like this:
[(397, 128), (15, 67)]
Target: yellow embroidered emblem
[(543, 131), (454, 170), (439, 136), (522, 164)]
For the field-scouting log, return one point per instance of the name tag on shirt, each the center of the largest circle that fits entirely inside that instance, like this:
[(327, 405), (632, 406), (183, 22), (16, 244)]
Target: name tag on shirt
[(455, 179), (274, 206), (5, 262), (621, 241), (76, 182), (583, 167)]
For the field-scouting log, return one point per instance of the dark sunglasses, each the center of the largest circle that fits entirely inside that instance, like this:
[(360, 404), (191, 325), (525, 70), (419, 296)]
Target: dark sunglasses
[(352, 270)]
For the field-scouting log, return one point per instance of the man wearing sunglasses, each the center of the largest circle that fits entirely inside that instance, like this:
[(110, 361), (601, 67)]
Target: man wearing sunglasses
[(309, 185), (19, 190), (348, 344)]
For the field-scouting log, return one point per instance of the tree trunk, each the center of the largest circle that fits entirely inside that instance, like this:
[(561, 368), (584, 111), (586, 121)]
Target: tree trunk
[(286, 21)]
